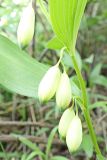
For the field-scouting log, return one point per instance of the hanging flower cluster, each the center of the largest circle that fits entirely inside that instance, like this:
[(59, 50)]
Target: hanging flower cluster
[(55, 83)]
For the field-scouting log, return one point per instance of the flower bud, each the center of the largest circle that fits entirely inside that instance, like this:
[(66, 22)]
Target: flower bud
[(74, 134), (63, 93), (25, 29), (49, 84), (65, 121)]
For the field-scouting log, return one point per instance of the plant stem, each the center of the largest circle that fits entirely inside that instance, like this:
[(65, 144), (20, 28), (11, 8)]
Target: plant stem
[(85, 103), (44, 10)]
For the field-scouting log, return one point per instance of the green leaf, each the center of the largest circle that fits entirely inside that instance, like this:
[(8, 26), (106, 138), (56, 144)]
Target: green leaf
[(96, 71), (32, 155), (27, 142), (43, 8), (31, 145), (100, 157), (54, 43), (75, 88), (89, 59), (98, 104), (66, 17), (87, 145), (96, 78), (59, 158), (5, 154), (68, 61), (101, 80), (78, 13), (10, 155), (24, 156), (18, 71), (50, 139)]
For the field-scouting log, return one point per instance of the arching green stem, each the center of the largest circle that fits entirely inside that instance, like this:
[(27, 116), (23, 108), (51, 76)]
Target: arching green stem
[(85, 103)]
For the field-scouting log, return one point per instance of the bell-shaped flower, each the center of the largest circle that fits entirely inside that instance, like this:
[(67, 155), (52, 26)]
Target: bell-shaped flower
[(74, 134), (49, 84), (25, 29), (63, 93), (65, 121)]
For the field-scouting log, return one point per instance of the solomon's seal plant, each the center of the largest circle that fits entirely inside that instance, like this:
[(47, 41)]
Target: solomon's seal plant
[(65, 17)]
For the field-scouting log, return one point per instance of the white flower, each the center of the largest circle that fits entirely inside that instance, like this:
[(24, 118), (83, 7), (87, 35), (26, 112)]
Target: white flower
[(49, 84), (25, 29), (74, 134), (63, 93), (65, 121)]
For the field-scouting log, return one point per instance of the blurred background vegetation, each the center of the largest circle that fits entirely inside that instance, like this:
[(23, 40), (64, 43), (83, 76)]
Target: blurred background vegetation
[(26, 116)]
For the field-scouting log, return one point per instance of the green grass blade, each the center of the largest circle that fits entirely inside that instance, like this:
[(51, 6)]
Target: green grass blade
[(50, 139)]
